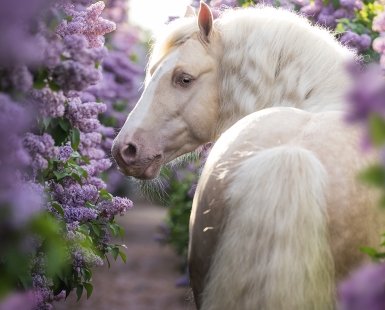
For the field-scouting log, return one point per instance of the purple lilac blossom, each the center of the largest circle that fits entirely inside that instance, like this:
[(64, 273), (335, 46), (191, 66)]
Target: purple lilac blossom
[(355, 41), (118, 205), (40, 148), (50, 103), (72, 75), (87, 23), (364, 289), (83, 115), (16, 77), (83, 257), (18, 44), (65, 152), (366, 96)]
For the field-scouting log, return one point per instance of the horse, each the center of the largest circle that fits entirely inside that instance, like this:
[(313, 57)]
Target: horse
[(278, 214)]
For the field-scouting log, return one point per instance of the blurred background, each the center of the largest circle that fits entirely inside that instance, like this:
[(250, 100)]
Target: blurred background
[(66, 89)]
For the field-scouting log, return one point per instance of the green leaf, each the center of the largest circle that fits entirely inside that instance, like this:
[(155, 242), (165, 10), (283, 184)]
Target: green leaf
[(86, 273), (114, 252), (79, 291), (58, 208), (370, 251), (65, 124), (336, 4), (83, 228), (123, 256), (77, 178), (373, 175), (54, 87), (90, 205), (105, 195), (60, 175), (121, 231), (114, 228), (75, 138), (89, 288), (96, 229), (377, 129), (46, 121), (59, 135)]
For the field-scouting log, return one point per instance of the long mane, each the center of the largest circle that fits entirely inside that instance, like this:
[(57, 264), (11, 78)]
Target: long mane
[(271, 57)]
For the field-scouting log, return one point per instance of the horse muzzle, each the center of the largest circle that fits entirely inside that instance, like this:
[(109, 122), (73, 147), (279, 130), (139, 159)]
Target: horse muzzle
[(136, 161)]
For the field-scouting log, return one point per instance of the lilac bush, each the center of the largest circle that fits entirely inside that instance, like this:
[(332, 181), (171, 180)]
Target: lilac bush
[(57, 217)]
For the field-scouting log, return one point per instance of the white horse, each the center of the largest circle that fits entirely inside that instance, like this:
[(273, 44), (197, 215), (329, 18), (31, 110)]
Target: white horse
[(278, 215)]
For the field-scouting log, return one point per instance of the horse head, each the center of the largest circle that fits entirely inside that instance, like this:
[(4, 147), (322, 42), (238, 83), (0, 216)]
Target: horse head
[(180, 103)]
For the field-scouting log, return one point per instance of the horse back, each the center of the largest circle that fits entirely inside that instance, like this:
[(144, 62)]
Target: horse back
[(352, 220)]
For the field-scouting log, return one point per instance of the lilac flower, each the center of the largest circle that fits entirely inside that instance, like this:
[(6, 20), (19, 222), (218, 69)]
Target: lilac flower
[(72, 75), (49, 103), (364, 289), (80, 214), (74, 195), (379, 22), (75, 47), (366, 97), (83, 115), (65, 152), (16, 77), (117, 205), (40, 148), (84, 257), (379, 44), (97, 182), (18, 45), (87, 23)]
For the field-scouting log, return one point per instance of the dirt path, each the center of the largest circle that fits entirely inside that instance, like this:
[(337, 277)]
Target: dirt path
[(146, 282)]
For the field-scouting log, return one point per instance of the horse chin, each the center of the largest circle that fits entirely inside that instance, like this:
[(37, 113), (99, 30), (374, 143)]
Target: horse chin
[(151, 172)]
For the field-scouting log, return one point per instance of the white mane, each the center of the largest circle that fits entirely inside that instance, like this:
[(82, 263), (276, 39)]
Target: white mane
[(271, 57)]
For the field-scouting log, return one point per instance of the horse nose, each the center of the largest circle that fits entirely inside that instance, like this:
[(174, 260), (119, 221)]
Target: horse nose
[(129, 153), (125, 154)]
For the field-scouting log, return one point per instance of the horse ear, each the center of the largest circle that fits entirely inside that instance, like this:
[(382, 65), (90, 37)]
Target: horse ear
[(189, 12), (205, 21)]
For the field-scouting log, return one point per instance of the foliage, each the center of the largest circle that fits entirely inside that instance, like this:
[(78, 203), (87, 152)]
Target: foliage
[(56, 216)]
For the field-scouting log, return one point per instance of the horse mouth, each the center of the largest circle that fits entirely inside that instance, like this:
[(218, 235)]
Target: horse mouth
[(150, 171)]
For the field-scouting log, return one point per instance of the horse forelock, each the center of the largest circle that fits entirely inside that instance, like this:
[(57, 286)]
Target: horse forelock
[(174, 34)]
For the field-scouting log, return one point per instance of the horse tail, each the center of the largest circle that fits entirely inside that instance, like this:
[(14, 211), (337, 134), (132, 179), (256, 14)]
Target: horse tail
[(274, 253)]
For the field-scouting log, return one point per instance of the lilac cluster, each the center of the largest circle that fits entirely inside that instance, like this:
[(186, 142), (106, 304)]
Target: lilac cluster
[(328, 15), (364, 289), (84, 115), (117, 205), (50, 103), (42, 296), (18, 43), (65, 152), (16, 77), (40, 149), (355, 41), (84, 257), (379, 43), (65, 63), (87, 23)]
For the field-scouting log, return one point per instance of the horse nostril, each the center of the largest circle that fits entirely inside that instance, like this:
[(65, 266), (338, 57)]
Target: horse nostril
[(130, 151)]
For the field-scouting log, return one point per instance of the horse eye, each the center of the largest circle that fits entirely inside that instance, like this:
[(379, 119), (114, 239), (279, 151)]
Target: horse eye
[(185, 80)]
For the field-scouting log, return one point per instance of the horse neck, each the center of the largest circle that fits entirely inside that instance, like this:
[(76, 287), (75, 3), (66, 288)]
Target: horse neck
[(259, 70)]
